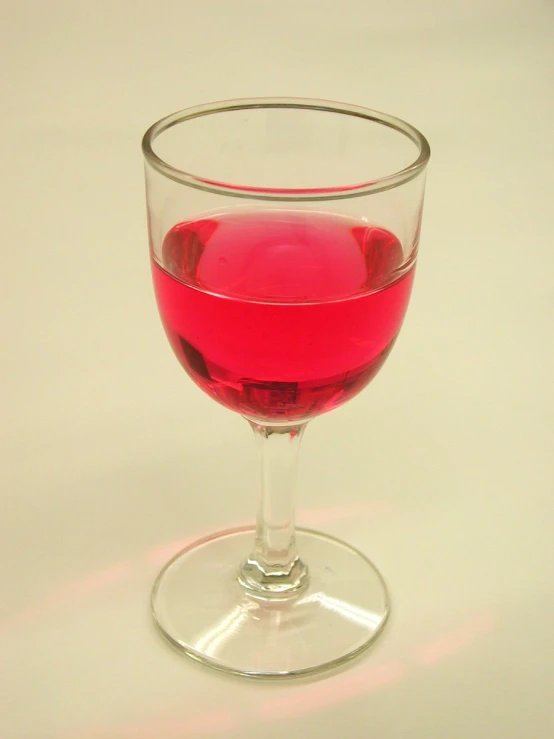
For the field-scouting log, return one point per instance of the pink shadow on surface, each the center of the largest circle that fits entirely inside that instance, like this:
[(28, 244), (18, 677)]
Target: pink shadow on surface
[(74, 592), (306, 699), (323, 695), (97, 580), (451, 642), (320, 695)]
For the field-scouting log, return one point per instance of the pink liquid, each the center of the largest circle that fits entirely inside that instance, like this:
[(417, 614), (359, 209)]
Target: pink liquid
[(281, 315)]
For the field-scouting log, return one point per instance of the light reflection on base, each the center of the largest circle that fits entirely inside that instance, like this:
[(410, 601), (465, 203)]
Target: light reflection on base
[(201, 608)]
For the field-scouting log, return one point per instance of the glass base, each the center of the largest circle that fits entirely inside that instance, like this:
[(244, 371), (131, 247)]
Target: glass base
[(202, 609)]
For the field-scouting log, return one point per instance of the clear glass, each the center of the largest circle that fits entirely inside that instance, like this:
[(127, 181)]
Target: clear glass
[(283, 240)]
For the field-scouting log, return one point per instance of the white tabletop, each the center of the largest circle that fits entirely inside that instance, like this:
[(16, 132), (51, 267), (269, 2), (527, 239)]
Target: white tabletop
[(441, 471)]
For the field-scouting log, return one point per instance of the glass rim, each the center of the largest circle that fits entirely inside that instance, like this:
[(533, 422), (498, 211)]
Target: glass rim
[(217, 187)]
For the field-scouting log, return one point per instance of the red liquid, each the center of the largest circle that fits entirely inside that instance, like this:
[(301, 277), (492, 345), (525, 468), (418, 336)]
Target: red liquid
[(281, 315)]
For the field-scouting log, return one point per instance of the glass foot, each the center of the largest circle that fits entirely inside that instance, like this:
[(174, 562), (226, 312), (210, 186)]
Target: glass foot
[(202, 609)]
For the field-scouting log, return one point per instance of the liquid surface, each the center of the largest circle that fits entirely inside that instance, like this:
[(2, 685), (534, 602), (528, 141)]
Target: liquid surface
[(281, 315)]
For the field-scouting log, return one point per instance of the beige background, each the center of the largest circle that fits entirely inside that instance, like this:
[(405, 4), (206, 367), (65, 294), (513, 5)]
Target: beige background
[(441, 471)]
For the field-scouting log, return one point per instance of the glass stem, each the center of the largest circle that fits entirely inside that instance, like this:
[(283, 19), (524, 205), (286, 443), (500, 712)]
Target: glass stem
[(274, 569)]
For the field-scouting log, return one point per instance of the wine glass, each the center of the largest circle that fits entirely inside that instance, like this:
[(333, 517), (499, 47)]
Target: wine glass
[(283, 241)]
